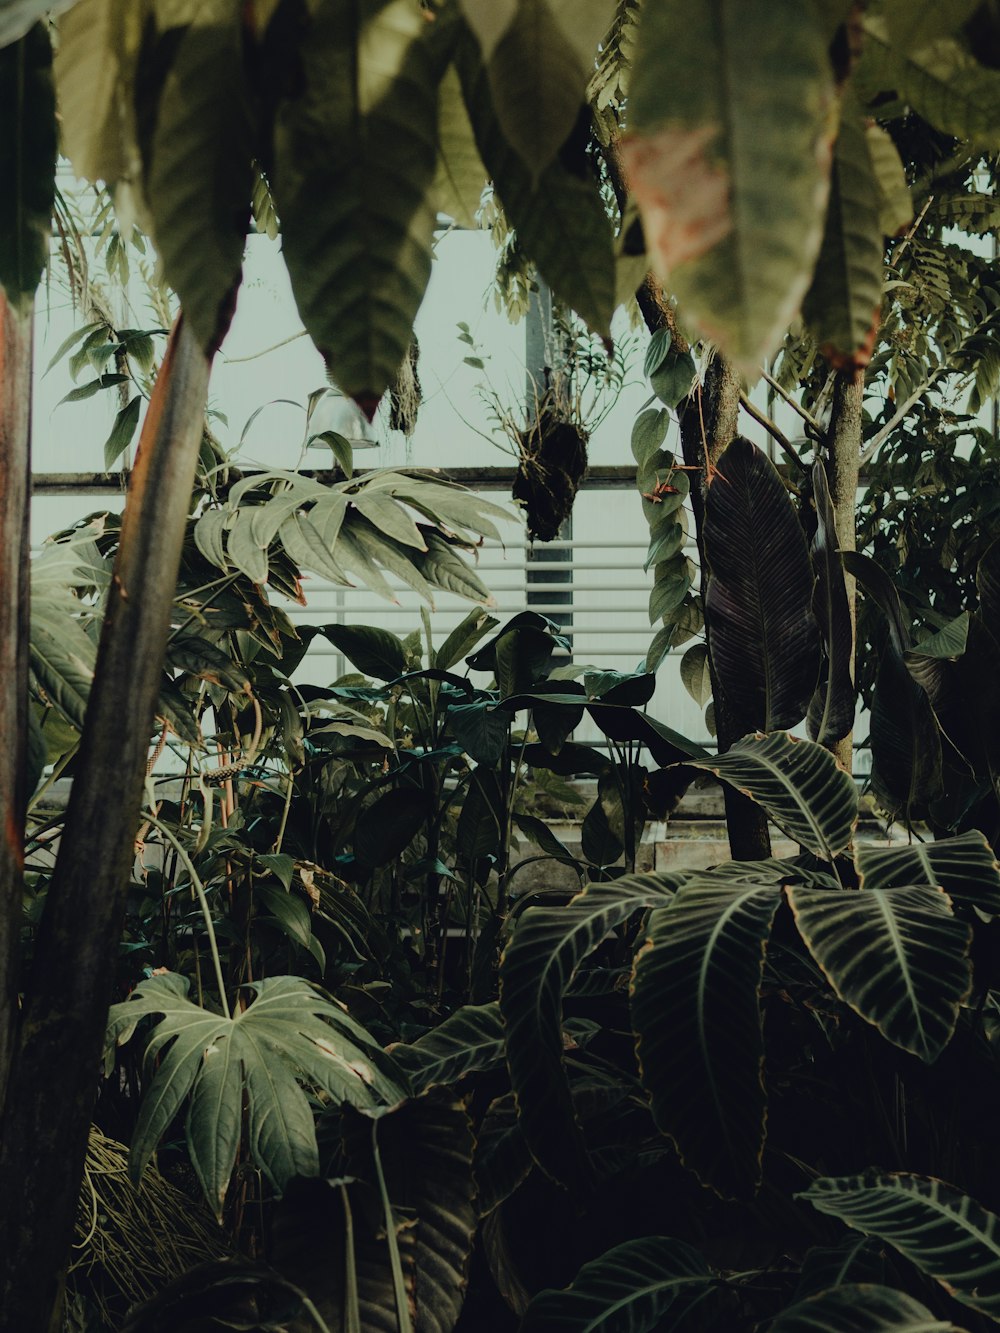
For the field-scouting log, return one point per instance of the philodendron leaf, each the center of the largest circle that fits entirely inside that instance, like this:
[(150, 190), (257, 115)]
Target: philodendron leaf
[(831, 715), (800, 785), (843, 303), (729, 106), (27, 163), (944, 1233), (638, 1287), (965, 867), (197, 166), (290, 1033), (696, 1013), (354, 161), (758, 607), (897, 956), (547, 947), (860, 1307)]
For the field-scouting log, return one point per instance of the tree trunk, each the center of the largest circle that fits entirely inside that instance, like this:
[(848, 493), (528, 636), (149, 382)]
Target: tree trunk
[(56, 1064), (842, 467), (15, 492)]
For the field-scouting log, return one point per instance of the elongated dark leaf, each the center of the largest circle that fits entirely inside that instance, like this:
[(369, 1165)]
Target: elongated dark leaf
[(538, 964), (502, 1160), (464, 637), (943, 1232), (800, 785), (764, 638), (988, 586), (466, 1042), (387, 827), (965, 868), (959, 671), (854, 1259), (375, 652), (27, 163), (696, 1013), (860, 1308), (834, 717), (897, 956)]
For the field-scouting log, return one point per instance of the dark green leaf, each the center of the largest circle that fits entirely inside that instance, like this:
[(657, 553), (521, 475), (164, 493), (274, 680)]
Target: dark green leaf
[(27, 159), (121, 432), (965, 867), (467, 1042), (375, 652), (387, 827), (860, 1308)]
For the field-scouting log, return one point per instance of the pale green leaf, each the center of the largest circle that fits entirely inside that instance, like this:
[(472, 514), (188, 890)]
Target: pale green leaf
[(460, 177), (95, 74)]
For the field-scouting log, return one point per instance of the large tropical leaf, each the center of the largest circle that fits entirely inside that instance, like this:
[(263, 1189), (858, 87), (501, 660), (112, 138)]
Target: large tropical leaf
[(965, 867), (288, 1034), (958, 668), (842, 305), (696, 1013), (547, 947), (831, 715), (728, 110), (897, 956), (800, 785), (758, 607), (466, 1042), (854, 1259), (354, 160), (197, 163), (638, 1287), (27, 163), (860, 1307), (943, 1232), (460, 177)]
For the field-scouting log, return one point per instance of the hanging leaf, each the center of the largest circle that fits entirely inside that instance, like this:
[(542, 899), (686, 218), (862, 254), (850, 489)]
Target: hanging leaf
[(122, 432), (729, 107), (696, 1013), (547, 947), (375, 652), (27, 163), (895, 205), (800, 785), (944, 1233), (897, 956), (386, 828), (860, 1308), (356, 237), (461, 177), (965, 867), (832, 715), (758, 607), (842, 306)]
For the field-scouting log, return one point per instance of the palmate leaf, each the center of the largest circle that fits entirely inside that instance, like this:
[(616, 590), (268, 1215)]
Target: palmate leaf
[(897, 956), (964, 867), (943, 1232), (800, 785), (860, 1307), (758, 607), (728, 109), (466, 1042), (638, 1287), (287, 1035), (696, 1013), (831, 714), (547, 947), (354, 161)]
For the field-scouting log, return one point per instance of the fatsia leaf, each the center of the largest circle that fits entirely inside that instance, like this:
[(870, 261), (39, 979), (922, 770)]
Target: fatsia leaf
[(861, 1307), (842, 305), (547, 947), (800, 785), (354, 161), (27, 163), (758, 607), (833, 718), (728, 109), (197, 165), (696, 1013), (897, 956), (944, 1233), (466, 1042), (638, 1287), (288, 1034), (964, 867)]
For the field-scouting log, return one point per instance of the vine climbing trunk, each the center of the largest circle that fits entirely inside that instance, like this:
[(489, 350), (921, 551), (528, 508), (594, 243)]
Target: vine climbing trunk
[(15, 491), (842, 471), (55, 1069)]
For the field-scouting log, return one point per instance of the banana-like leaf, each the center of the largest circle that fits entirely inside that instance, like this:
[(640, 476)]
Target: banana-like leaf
[(958, 668), (289, 1033), (944, 1233), (696, 1013), (800, 785), (354, 161), (897, 956), (638, 1287), (964, 867), (27, 163), (831, 715), (758, 607), (860, 1307), (561, 221), (197, 166), (547, 947), (729, 106), (466, 1042), (843, 303)]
